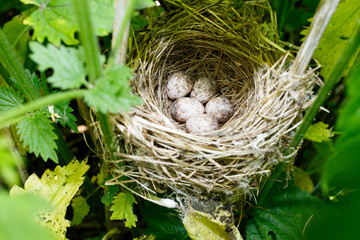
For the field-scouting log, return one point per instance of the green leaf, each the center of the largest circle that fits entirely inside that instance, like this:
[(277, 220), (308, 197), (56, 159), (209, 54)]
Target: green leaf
[(36, 132), (141, 4), (65, 112), (163, 222), (112, 92), (56, 19), (123, 210), (81, 209), (109, 194), (58, 187), (9, 99), (319, 132), (285, 214), (346, 157), (17, 217), (69, 70), (337, 35), (18, 35)]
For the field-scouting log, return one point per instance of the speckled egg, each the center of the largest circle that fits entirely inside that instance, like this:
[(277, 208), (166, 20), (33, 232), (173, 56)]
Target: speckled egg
[(184, 108), (221, 108), (179, 85), (202, 123), (204, 89)]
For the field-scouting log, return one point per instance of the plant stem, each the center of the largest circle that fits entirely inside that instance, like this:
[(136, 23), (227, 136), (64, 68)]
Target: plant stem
[(88, 39), (120, 34), (7, 117), (341, 63), (15, 68)]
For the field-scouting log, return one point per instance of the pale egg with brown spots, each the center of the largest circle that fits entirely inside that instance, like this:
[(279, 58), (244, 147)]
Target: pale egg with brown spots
[(221, 108), (204, 89), (184, 108), (179, 85)]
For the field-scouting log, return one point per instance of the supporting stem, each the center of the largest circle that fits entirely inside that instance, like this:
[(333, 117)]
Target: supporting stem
[(352, 46), (320, 21), (121, 32)]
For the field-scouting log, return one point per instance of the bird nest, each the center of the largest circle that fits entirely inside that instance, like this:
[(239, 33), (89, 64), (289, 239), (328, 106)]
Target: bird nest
[(234, 47)]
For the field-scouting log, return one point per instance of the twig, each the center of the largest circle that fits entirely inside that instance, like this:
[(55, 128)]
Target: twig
[(321, 19)]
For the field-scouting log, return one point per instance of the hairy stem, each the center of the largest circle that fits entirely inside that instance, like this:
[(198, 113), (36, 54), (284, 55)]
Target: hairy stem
[(88, 39), (9, 116), (15, 69)]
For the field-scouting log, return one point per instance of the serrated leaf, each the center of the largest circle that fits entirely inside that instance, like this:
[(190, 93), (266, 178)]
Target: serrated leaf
[(58, 187), (144, 237), (18, 215), (36, 132), (65, 112), (319, 132), (123, 210), (109, 194), (56, 19), (112, 92), (81, 209), (336, 36), (285, 214), (18, 35), (69, 69), (9, 99)]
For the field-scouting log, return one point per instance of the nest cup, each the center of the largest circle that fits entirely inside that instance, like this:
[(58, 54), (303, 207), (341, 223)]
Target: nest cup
[(232, 46)]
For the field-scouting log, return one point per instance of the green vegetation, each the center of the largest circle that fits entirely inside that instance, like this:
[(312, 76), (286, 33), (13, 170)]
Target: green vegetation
[(58, 66)]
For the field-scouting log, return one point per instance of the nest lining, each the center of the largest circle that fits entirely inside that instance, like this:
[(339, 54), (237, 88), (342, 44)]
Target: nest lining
[(158, 154)]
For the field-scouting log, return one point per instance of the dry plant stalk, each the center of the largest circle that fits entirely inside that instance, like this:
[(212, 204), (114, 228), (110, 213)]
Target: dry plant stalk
[(233, 47)]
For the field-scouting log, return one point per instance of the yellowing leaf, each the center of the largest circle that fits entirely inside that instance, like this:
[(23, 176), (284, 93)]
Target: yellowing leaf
[(81, 209), (209, 219), (58, 187), (319, 132), (336, 36), (123, 210)]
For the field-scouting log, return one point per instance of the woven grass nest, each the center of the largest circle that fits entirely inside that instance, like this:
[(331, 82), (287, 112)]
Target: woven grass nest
[(234, 47)]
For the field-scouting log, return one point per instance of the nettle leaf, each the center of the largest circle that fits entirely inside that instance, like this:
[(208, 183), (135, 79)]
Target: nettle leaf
[(319, 132), (81, 209), (56, 19), (285, 214), (69, 69), (65, 112), (9, 99), (337, 35), (109, 194), (57, 187), (36, 132), (123, 210), (112, 92)]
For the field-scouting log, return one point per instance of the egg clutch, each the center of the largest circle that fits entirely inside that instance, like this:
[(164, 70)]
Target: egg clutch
[(197, 103)]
